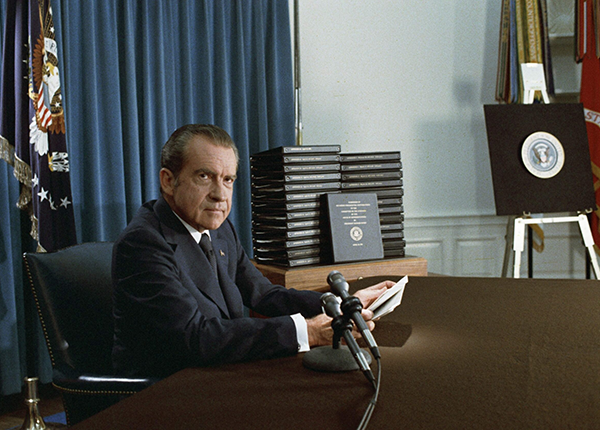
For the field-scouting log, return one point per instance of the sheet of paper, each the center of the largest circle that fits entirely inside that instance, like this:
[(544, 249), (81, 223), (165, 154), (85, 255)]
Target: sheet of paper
[(389, 300)]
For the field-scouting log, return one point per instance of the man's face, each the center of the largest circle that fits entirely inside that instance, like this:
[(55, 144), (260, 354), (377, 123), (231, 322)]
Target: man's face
[(202, 194)]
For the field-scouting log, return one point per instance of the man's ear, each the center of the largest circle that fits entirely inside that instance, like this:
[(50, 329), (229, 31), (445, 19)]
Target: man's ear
[(167, 181)]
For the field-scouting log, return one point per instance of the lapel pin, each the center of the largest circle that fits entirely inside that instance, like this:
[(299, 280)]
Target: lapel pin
[(222, 253)]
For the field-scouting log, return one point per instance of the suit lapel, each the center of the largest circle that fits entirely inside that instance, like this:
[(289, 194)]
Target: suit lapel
[(228, 286), (190, 257)]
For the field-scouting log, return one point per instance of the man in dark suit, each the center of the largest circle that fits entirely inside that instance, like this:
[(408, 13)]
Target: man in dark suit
[(172, 308)]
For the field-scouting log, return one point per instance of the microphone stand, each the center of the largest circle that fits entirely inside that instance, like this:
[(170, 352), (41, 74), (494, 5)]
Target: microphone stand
[(339, 324), (341, 358), (335, 358), (338, 358)]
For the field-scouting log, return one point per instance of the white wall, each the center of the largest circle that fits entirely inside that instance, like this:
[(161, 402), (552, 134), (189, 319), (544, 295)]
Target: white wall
[(413, 75), (408, 75)]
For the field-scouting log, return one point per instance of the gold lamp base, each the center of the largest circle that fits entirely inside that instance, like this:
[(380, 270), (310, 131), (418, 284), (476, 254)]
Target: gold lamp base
[(33, 419)]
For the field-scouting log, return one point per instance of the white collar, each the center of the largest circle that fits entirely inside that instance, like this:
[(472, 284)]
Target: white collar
[(197, 235)]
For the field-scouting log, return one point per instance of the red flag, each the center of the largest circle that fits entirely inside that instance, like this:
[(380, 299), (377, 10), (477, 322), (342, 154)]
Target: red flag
[(32, 128), (590, 96)]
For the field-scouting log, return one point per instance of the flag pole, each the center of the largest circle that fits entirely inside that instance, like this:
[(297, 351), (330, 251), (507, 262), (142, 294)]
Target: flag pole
[(297, 85)]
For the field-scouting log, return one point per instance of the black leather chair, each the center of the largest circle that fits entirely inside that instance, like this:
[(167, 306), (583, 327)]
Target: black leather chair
[(72, 290)]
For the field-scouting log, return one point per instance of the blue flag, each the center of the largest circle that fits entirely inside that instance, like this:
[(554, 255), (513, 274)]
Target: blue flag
[(32, 127)]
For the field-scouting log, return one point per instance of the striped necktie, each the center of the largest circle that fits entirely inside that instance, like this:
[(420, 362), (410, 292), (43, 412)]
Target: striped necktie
[(206, 246)]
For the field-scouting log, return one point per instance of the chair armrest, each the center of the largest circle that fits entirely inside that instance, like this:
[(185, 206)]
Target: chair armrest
[(74, 382)]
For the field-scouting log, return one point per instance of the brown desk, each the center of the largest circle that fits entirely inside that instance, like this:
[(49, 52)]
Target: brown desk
[(315, 277), (481, 354)]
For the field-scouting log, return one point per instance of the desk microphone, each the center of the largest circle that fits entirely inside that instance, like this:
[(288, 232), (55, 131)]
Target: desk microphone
[(351, 306), (332, 309)]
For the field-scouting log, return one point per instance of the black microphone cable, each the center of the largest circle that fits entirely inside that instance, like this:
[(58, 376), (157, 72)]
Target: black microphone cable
[(371, 407)]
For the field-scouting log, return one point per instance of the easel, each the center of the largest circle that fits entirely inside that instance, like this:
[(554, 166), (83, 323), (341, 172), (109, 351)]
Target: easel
[(534, 80), (519, 238)]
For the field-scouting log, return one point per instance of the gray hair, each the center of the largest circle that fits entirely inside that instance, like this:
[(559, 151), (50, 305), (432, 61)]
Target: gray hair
[(173, 152)]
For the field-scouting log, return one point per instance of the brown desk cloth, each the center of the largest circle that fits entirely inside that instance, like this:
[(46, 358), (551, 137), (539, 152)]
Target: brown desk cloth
[(481, 354)]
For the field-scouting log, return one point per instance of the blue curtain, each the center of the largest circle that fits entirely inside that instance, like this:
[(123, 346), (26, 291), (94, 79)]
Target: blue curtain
[(133, 71), (13, 358)]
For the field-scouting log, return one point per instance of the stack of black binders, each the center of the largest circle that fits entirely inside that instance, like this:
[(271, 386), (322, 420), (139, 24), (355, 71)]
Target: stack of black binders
[(287, 183), (380, 173)]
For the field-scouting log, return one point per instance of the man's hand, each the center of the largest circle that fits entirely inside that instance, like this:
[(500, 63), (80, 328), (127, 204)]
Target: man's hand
[(370, 294), (319, 328), (320, 332)]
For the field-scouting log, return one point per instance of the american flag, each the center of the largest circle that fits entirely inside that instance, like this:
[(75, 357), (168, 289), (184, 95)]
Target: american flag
[(32, 128)]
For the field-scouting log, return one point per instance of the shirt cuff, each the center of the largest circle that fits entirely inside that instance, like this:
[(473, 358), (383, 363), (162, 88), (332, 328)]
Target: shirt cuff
[(301, 332)]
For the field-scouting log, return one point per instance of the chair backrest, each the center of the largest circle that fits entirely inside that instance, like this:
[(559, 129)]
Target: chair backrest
[(72, 289)]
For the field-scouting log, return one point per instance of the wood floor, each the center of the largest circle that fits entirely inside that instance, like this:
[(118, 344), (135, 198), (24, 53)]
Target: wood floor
[(13, 409)]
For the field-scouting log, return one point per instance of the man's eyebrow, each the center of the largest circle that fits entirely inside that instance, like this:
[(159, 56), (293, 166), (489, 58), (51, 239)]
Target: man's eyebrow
[(204, 170), (210, 172)]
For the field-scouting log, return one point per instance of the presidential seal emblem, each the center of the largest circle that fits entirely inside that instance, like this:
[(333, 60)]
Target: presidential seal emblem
[(543, 155), (356, 233)]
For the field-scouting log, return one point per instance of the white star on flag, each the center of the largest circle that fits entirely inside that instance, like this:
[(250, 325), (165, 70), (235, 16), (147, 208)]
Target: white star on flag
[(43, 195), (64, 202)]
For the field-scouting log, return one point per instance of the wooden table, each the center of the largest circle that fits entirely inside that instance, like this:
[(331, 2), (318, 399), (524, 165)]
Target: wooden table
[(459, 353), (315, 277)]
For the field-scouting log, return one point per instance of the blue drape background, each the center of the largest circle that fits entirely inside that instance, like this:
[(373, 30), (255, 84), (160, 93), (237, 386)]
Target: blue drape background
[(133, 71)]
